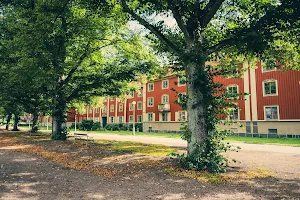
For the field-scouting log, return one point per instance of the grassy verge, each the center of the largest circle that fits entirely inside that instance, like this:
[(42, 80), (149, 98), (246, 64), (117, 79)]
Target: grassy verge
[(276, 141), (167, 135), (138, 148)]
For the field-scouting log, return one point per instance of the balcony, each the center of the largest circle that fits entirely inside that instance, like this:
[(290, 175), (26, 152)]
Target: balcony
[(165, 107)]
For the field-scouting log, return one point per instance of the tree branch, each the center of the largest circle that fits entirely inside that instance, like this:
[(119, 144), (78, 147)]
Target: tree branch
[(150, 27), (221, 45), (177, 16), (209, 11)]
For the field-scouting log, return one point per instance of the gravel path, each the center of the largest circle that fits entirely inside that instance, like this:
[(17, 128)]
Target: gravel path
[(176, 142), (25, 176)]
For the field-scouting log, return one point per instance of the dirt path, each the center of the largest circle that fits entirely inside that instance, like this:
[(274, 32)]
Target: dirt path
[(28, 176), (25, 176)]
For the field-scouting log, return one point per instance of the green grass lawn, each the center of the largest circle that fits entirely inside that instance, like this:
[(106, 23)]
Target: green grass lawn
[(277, 141), (139, 148), (168, 135)]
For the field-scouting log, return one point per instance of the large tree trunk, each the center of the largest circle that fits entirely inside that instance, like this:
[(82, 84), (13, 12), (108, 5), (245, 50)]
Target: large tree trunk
[(197, 106), (16, 122), (8, 121), (59, 131), (35, 123)]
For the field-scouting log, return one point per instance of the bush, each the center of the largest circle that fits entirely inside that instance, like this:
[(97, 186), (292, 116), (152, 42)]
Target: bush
[(96, 126), (86, 125), (138, 127)]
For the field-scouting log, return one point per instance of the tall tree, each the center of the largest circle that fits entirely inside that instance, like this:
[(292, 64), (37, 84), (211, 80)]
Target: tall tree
[(233, 30), (78, 52)]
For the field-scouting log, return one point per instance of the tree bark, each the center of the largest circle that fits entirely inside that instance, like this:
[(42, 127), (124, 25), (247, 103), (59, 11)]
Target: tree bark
[(8, 121), (197, 105), (59, 120), (35, 122), (16, 121)]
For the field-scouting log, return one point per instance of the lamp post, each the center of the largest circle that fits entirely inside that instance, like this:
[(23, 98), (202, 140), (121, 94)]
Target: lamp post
[(133, 124)]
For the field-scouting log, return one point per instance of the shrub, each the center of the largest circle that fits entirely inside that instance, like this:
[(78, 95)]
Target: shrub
[(86, 125), (96, 126), (138, 127)]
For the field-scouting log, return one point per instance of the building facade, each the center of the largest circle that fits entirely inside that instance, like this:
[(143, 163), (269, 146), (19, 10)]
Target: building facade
[(272, 107)]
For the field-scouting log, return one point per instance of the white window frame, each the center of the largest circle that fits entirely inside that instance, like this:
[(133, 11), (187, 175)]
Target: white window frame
[(131, 118), (131, 106), (238, 110), (121, 106), (97, 110), (120, 119), (268, 81), (271, 70), (162, 98), (233, 85), (185, 114), (151, 117), (139, 103), (164, 113), (178, 81), (112, 119), (162, 84), (139, 116), (152, 87), (265, 113), (112, 108), (178, 96), (148, 101), (104, 109)]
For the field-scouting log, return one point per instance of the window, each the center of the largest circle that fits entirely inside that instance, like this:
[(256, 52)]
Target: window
[(271, 112), (181, 97), (150, 101), (181, 81), (91, 110), (97, 110), (181, 116), (112, 108), (112, 119), (113, 98), (131, 94), (272, 131), (164, 117), (233, 114), (268, 68), (104, 109), (232, 89), (120, 107), (150, 87), (120, 119), (165, 98), (270, 87), (130, 118), (140, 93), (139, 118), (140, 105), (150, 117), (165, 84), (131, 106)]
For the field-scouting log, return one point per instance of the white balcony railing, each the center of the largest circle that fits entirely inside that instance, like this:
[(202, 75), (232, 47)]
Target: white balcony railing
[(165, 107)]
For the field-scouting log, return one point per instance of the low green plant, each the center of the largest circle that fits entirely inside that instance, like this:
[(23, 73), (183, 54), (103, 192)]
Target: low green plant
[(209, 155)]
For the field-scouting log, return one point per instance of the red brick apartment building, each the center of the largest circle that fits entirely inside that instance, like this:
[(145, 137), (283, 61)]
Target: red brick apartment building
[(272, 107)]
